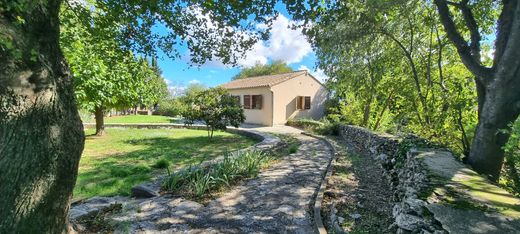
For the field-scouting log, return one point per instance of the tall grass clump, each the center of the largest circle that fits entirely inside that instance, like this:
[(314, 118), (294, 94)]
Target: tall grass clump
[(198, 181)]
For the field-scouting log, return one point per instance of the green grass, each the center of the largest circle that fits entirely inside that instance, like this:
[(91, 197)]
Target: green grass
[(112, 164)]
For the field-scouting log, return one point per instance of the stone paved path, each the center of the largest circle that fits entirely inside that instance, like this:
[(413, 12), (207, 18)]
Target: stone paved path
[(278, 201)]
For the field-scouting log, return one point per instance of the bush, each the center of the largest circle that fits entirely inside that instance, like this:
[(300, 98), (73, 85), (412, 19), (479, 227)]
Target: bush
[(198, 181), (323, 127), (510, 173), (304, 123), (328, 128), (215, 107), (170, 107)]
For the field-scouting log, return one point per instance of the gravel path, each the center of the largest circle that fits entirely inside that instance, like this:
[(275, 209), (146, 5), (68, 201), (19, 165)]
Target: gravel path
[(278, 200)]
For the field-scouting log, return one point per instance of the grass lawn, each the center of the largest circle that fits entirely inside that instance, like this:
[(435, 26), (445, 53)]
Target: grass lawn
[(112, 164)]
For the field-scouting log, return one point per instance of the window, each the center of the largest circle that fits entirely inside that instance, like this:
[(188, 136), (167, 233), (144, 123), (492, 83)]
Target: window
[(307, 103), (257, 102), (247, 101), (303, 102)]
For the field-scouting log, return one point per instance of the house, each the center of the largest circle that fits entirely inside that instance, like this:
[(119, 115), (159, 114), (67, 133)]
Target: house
[(273, 99)]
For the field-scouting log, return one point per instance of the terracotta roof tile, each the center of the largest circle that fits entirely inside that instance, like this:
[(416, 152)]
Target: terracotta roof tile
[(261, 81)]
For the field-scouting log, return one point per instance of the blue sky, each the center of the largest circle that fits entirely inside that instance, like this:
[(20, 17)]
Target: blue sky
[(284, 44)]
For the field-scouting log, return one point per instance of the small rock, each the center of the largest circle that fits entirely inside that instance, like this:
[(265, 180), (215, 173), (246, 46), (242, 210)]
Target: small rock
[(142, 191), (340, 219), (355, 216), (382, 157), (360, 205), (409, 222)]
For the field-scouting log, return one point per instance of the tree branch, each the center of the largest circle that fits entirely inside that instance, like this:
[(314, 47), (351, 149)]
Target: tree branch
[(465, 52)]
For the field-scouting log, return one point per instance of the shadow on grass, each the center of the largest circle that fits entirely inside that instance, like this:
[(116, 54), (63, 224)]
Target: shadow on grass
[(116, 174)]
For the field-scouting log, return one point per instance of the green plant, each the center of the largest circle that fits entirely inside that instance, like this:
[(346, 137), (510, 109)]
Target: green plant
[(198, 181), (511, 177), (215, 107), (304, 123), (292, 149)]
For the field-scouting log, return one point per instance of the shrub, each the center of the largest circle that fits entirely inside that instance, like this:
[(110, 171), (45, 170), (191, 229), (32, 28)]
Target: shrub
[(328, 128), (215, 107), (304, 123), (323, 127), (510, 173), (170, 107)]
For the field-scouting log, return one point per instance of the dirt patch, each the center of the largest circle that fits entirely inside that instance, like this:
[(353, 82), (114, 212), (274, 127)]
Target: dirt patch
[(359, 192)]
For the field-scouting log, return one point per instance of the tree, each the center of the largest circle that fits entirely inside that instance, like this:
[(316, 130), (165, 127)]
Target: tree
[(392, 69), (41, 132), (216, 108), (498, 85), (106, 76), (276, 67)]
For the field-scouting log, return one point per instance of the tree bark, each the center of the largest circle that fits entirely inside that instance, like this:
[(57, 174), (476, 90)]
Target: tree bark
[(41, 135), (100, 121)]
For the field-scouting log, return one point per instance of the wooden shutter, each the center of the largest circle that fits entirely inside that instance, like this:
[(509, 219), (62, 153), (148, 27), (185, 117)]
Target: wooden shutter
[(299, 102), (247, 101), (257, 102), (307, 102)]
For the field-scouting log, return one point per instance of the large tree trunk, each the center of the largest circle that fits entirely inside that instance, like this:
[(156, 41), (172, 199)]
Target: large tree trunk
[(500, 108), (41, 135), (100, 121)]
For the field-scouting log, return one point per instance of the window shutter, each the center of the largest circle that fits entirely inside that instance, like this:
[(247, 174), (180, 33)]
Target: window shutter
[(256, 102), (307, 102), (259, 102), (299, 100), (247, 101)]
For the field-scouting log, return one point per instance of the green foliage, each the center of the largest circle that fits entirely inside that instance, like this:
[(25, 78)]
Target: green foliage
[(105, 75), (292, 149), (196, 181), (511, 176), (394, 70), (215, 107), (328, 128), (276, 67), (323, 127), (170, 107), (304, 123)]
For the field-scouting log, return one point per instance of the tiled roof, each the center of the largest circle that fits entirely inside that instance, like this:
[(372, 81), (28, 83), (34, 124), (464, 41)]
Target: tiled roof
[(261, 81)]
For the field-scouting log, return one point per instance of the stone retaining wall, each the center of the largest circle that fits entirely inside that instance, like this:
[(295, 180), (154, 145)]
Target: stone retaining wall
[(408, 181)]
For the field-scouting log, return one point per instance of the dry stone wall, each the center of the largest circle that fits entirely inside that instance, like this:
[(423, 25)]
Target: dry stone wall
[(407, 176)]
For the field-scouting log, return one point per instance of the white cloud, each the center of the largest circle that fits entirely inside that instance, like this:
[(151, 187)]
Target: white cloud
[(318, 73), (284, 44), (191, 82)]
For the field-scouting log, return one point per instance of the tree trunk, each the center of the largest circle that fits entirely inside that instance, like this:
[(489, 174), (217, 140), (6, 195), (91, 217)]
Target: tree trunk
[(366, 112), (41, 135), (100, 121), (500, 108)]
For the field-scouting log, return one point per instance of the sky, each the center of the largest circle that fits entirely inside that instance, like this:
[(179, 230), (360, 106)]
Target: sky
[(284, 44)]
